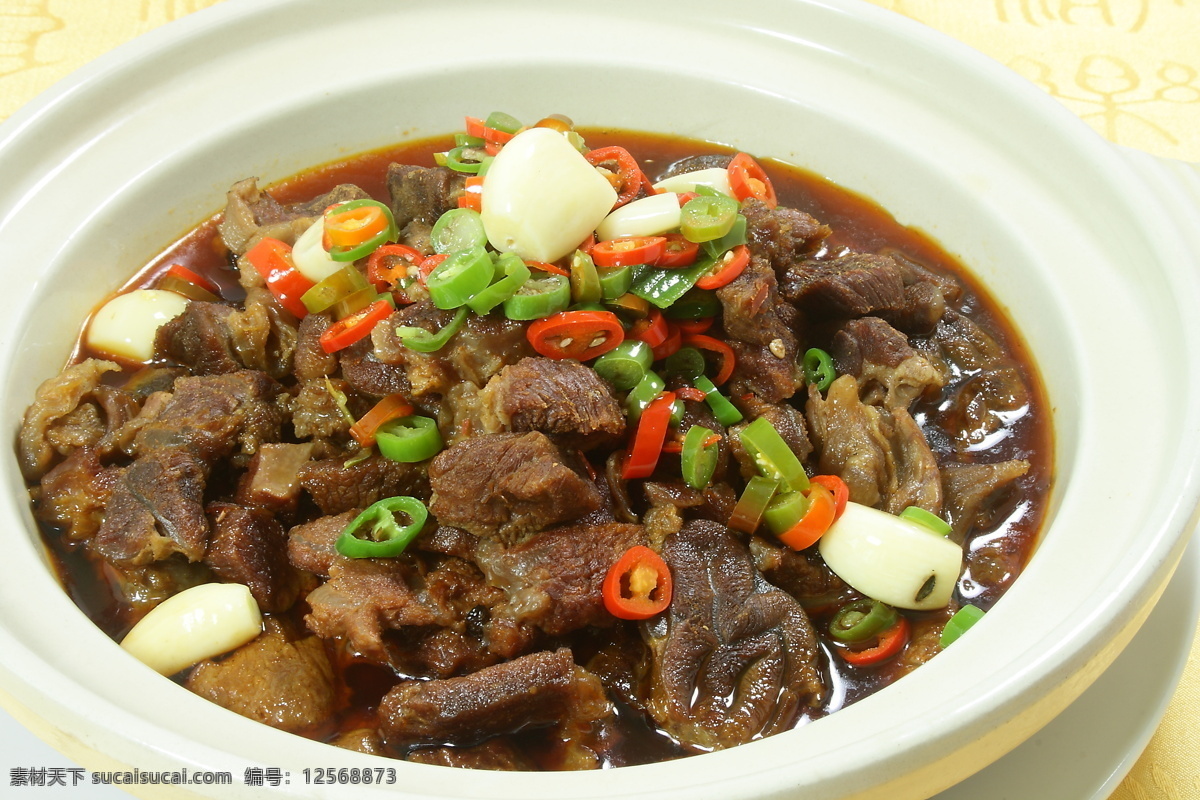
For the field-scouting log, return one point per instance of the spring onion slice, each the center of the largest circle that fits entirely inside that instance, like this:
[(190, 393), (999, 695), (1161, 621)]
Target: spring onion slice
[(424, 341)]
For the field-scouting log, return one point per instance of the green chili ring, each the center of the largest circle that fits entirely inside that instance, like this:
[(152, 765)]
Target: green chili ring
[(375, 533), (698, 461), (860, 620), (424, 341), (409, 439), (818, 368)]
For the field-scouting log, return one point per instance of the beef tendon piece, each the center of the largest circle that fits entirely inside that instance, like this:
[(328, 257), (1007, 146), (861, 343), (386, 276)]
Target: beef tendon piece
[(534, 691), (55, 399), (560, 397), (507, 485), (249, 546), (734, 658), (278, 679), (889, 371), (73, 494)]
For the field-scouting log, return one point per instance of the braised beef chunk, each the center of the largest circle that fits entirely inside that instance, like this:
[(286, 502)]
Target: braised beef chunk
[(272, 478), (553, 579), (507, 485), (422, 194), (533, 691), (889, 371), (802, 574), (971, 488), (551, 396), (310, 361), (279, 679), (249, 546), (428, 373), (156, 508), (368, 375), (853, 285), (926, 295), (881, 455), (783, 235), (310, 546), (496, 754), (56, 398), (485, 345), (73, 495), (752, 309), (735, 658), (336, 487), (251, 214), (199, 339), (263, 333)]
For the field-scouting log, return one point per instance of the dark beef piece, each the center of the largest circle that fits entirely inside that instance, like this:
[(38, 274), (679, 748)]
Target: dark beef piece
[(278, 679), (926, 294), (156, 509), (496, 754), (925, 640), (533, 691), (881, 455), (553, 579), (251, 214), (889, 372), (770, 374), (753, 311), (427, 373), (422, 194), (310, 361), (853, 285), (506, 485), (272, 479), (368, 375), (212, 415), (551, 396), (487, 344), (971, 488), (55, 398), (783, 235), (785, 418), (263, 333), (199, 339), (337, 488), (249, 546), (360, 740), (310, 546), (804, 575), (397, 612), (670, 500), (72, 496), (143, 587), (735, 658), (316, 414), (694, 163)]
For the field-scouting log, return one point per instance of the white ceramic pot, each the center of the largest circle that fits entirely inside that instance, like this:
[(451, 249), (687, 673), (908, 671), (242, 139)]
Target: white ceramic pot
[(1090, 256)]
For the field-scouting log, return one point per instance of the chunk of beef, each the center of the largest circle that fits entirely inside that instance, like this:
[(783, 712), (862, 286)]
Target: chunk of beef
[(498, 753), (753, 311), (211, 415), (802, 574), (310, 545), (263, 333), (422, 194), (249, 546), (852, 285), (485, 345), (199, 339), (428, 373), (559, 397), (272, 479), (926, 295), (783, 235), (251, 214), (278, 679), (507, 485), (141, 588), (770, 372), (533, 691), (367, 375), (553, 579), (55, 398), (72, 496), (156, 508), (881, 455), (889, 372), (317, 416), (735, 658), (310, 361), (972, 488), (336, 487)]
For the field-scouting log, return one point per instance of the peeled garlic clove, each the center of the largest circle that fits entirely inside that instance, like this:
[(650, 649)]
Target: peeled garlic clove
[(198, 623), (891, 559), (649, 216), (309, 255), (127, 325), (541, 197), (715, 178)]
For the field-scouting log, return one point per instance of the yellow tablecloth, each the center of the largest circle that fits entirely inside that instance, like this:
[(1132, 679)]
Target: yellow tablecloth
[(1130, 68)]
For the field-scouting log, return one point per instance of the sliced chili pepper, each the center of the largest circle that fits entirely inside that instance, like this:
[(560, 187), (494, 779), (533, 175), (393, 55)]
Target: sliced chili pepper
[(409, 439), (708, 217), (350, 227), (678, 252), (346, 332), (927, 520), (638, 586), (861, 620), (376, 533), (727, 268), (474, 127), (629, 178), (698, 460), (891, 642), (962, 621), (816, 520), (664, 287), (629, 251), (585, 279), (539, 297), (818, 368), (838, 488), (429, 264), (652, 329), (772, 454), (457, 229), (643, 394), (625, 365), (334, 288), (391, 266), (691, 394), (546, 266), (272, 259), (747, 179), (424, 341), (728, 359), (648, 440), (691, 327), (514, 273), (389, 408), (752, 503), (183, 281), (670, 345), (581, 335), (460, 277), (472, 196)]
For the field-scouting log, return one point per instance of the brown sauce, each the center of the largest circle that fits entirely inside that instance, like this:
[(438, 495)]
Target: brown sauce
[(858, 224)]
